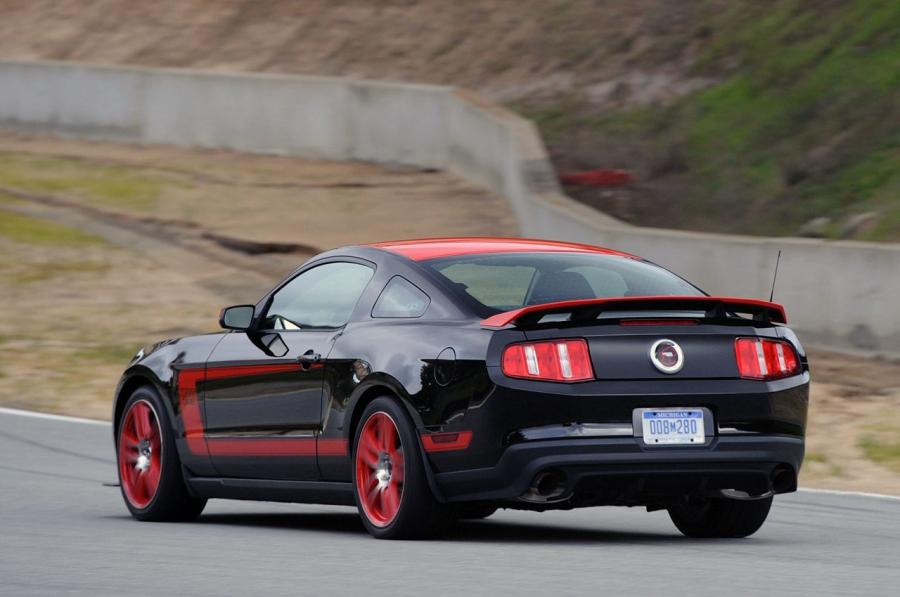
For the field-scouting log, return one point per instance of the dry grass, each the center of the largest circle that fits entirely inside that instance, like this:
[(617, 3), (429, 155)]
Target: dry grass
[(853, 424), (26, 230), (89, 293), (882, 445), (95, 273)]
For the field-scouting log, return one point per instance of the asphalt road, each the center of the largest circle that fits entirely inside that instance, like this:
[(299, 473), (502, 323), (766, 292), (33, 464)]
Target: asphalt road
[(63, 533)]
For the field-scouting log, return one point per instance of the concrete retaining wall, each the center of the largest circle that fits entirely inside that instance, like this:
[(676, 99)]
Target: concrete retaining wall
[(841, 294)]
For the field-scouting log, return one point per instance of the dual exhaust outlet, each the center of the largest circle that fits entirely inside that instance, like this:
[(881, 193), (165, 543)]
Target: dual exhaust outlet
[(551, 486)]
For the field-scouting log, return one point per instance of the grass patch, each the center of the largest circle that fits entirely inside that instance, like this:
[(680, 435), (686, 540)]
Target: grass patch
[(38, 272), (108, 354), (35, 231), (557, 120), (823, 463), (883, 449), (7, 199), (816, 457), (102, 185)]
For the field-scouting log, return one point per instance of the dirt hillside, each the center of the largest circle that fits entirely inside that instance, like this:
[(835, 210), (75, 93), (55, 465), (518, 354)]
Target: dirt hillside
[(751, 116)]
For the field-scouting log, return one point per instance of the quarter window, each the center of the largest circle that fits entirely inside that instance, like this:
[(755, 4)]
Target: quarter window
[(401, 298), (321, 297)]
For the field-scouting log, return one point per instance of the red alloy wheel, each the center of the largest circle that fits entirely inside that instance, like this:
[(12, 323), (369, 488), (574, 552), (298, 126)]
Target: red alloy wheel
[(140, 454), (380, 469)]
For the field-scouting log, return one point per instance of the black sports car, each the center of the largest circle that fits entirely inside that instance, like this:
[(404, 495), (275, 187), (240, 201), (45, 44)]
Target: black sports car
[(429, 380)]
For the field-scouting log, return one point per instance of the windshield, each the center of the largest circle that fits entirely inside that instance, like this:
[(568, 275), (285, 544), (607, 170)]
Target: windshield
[(506, 281)]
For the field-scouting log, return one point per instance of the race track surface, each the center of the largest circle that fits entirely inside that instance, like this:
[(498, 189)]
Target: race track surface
[(63, 533)]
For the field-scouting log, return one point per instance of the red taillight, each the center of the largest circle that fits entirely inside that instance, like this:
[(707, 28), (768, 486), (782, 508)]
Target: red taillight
[(553, 360), (761, 358)]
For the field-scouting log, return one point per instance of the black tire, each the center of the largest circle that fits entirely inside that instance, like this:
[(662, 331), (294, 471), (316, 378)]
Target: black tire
[(474, 511), (419, 515), (719, 517), (170, 501)]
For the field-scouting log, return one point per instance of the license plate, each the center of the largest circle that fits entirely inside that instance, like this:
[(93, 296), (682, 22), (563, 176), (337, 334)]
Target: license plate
[(663, 427)]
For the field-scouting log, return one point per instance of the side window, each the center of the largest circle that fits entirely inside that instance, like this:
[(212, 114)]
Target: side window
[(321, 297), (400, 298)]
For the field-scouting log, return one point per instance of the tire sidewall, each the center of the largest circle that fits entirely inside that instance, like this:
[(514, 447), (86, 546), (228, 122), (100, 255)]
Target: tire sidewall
[(721, 517)]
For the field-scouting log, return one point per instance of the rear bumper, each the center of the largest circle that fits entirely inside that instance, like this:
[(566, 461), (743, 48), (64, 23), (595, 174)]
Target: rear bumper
[(623, 470)]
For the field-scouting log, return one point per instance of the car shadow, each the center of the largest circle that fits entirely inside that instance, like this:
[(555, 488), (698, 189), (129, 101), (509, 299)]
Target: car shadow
[(483, 531), (335, 522), (496, 531)]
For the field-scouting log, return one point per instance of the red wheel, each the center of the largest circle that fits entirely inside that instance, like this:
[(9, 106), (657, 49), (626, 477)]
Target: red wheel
[(150, 473), (140, 454), (390, 479), (380, 469)]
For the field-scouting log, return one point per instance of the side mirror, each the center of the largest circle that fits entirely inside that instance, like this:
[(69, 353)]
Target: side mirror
[(238, 317)]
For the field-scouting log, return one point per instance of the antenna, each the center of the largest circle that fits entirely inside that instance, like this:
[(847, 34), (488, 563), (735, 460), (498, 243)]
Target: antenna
[(775, 276)]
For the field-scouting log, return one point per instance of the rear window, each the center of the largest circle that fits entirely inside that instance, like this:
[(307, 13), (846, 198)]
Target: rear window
[(506, 281)]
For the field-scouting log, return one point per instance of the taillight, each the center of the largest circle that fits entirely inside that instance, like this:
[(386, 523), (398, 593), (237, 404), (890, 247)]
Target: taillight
[(553, 360), (761, 358)]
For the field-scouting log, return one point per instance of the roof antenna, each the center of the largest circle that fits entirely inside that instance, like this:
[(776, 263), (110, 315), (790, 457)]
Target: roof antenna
[(775, 276)]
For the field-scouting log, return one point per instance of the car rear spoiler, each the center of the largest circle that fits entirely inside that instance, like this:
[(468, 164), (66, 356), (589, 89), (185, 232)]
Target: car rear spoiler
[(715, 307)]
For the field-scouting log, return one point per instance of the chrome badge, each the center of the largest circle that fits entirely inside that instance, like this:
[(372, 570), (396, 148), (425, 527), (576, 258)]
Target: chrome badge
[(667, 356)]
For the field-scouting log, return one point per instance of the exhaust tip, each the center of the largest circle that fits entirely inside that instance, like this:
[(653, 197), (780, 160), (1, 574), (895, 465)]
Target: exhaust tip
[(547, 486), (784, 479)]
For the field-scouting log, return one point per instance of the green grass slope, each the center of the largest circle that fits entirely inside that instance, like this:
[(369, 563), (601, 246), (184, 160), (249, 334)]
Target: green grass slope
[(802, 123)]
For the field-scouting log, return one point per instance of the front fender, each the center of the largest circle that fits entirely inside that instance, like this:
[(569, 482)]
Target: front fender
[(134, 377)]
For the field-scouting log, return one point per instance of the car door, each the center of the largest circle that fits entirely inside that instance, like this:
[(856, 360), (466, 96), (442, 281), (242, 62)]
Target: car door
[(264, 387)]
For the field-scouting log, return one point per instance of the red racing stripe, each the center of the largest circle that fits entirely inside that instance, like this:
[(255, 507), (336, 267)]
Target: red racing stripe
[(332, 447), (254, 446), (190, 409), (197, 441), (249, 370)]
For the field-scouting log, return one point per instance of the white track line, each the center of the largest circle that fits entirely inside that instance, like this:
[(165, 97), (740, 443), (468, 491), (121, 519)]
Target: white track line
[(880, 496), (37, 415)]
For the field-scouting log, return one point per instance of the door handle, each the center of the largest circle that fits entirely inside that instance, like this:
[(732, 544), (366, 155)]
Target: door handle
[(308, 358)]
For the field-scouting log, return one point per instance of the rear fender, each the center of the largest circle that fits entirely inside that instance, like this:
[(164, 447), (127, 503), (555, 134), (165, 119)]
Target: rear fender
[(383, 385)]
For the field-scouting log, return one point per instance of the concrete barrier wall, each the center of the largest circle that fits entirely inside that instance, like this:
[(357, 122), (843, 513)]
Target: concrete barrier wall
[(840, 294)]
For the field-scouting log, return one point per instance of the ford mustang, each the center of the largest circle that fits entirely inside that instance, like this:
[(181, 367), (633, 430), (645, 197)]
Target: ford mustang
[(431, 380)]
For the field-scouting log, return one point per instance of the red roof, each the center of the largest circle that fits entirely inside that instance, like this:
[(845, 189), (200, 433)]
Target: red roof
[(433, 248)]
